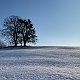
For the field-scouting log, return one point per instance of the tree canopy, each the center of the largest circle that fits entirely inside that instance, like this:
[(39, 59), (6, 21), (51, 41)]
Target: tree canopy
[(19, 31)]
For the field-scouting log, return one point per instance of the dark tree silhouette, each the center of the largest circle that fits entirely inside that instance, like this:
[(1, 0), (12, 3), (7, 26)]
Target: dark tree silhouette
[(27, 31), (19, 31), (11, 28)]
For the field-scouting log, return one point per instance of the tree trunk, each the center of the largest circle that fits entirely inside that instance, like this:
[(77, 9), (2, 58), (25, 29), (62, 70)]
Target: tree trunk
[(21, 43), (15, 37), (24, 43), (15, 43)]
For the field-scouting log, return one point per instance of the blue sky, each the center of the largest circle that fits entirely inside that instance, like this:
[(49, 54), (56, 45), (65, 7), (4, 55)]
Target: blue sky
[(57, 22)]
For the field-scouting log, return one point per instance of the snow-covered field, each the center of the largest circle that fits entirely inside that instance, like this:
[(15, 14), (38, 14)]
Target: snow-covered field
[(53, 63)]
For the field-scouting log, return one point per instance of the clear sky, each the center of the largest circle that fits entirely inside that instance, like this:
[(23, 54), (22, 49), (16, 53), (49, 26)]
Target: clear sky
[(57, 22)]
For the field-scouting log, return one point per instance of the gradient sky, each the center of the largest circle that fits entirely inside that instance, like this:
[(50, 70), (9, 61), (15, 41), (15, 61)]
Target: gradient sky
[(57, 22)]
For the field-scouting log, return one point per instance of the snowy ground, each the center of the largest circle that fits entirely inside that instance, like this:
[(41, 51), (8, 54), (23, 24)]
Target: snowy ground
[(40, 64)]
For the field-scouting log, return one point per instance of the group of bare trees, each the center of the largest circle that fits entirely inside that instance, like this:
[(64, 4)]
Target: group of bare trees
[(19, 31)]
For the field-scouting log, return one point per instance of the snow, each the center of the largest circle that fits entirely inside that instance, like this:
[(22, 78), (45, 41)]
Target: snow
[(50, 63)]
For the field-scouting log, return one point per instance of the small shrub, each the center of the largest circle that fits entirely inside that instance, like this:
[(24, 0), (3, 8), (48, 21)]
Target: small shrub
[(2, 45)]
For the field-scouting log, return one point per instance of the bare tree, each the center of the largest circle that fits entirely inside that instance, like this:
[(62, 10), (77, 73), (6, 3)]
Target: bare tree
[(11, 28), (27, 31)]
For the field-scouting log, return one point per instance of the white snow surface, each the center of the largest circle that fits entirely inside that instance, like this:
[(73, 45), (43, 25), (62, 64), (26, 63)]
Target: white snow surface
[(40, 64)]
